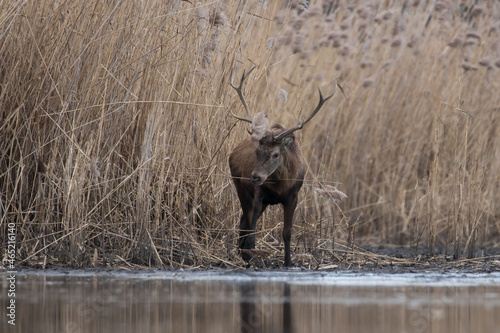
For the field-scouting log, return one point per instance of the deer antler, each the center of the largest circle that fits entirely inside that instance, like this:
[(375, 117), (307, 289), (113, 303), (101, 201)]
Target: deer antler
[(322, 101), (240, 94)]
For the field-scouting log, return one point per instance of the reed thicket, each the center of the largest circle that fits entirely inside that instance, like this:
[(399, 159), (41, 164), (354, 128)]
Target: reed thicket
[(115, 126)]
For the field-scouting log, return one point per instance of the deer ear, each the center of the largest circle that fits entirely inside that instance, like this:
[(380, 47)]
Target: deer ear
[(287, 141)]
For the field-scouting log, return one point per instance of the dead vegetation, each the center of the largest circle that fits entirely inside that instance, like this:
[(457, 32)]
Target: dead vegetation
[(116, 128)]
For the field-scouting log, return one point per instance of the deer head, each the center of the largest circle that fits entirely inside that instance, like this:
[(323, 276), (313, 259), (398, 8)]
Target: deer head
[(271, 153), (274, 141)]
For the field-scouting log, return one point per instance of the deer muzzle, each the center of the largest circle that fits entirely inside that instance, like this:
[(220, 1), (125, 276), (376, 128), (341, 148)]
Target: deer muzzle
[(257, 179)]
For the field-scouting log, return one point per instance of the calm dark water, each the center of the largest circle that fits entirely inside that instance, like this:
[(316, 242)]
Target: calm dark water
[(241, 301)]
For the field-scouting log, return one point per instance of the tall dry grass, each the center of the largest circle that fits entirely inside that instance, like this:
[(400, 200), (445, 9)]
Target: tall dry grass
[(116, 128)]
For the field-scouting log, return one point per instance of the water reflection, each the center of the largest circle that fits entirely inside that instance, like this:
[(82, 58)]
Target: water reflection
[(250, 320), (107, 302), (256, 319), (287, 310)]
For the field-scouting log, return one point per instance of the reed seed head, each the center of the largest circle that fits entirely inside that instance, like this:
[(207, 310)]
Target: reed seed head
[(283, 95), (260, 125), (217, 17), (331, 193)]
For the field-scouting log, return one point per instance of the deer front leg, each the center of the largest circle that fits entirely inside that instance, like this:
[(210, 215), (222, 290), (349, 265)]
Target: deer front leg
[(244, 237), (247, 205), (257, 209), (244, 226), (249, 220), (289, 210)]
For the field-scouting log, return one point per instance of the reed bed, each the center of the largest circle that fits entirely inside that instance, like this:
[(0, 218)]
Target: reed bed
[(116, 128)]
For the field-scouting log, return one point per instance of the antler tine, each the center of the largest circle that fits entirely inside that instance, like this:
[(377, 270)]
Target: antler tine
[(241, 118), (240, 94), (322, 101)]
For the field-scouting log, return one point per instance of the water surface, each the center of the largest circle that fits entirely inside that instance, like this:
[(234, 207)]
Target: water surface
[(249, 301)]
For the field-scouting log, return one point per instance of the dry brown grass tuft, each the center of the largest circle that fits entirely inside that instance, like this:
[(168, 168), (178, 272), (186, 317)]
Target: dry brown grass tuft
[(115, 126)]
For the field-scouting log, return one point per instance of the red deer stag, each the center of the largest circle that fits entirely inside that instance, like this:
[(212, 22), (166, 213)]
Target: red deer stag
[(267, 169)]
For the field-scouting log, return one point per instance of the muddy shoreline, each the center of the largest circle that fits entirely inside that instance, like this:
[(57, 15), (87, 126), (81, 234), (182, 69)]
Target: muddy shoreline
[(379, 260)]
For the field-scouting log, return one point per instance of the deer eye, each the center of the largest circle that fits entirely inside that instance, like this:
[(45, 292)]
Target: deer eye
[(276, 155)]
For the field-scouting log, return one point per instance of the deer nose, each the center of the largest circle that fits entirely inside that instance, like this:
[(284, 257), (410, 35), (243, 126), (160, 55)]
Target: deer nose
[(256, 179)]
